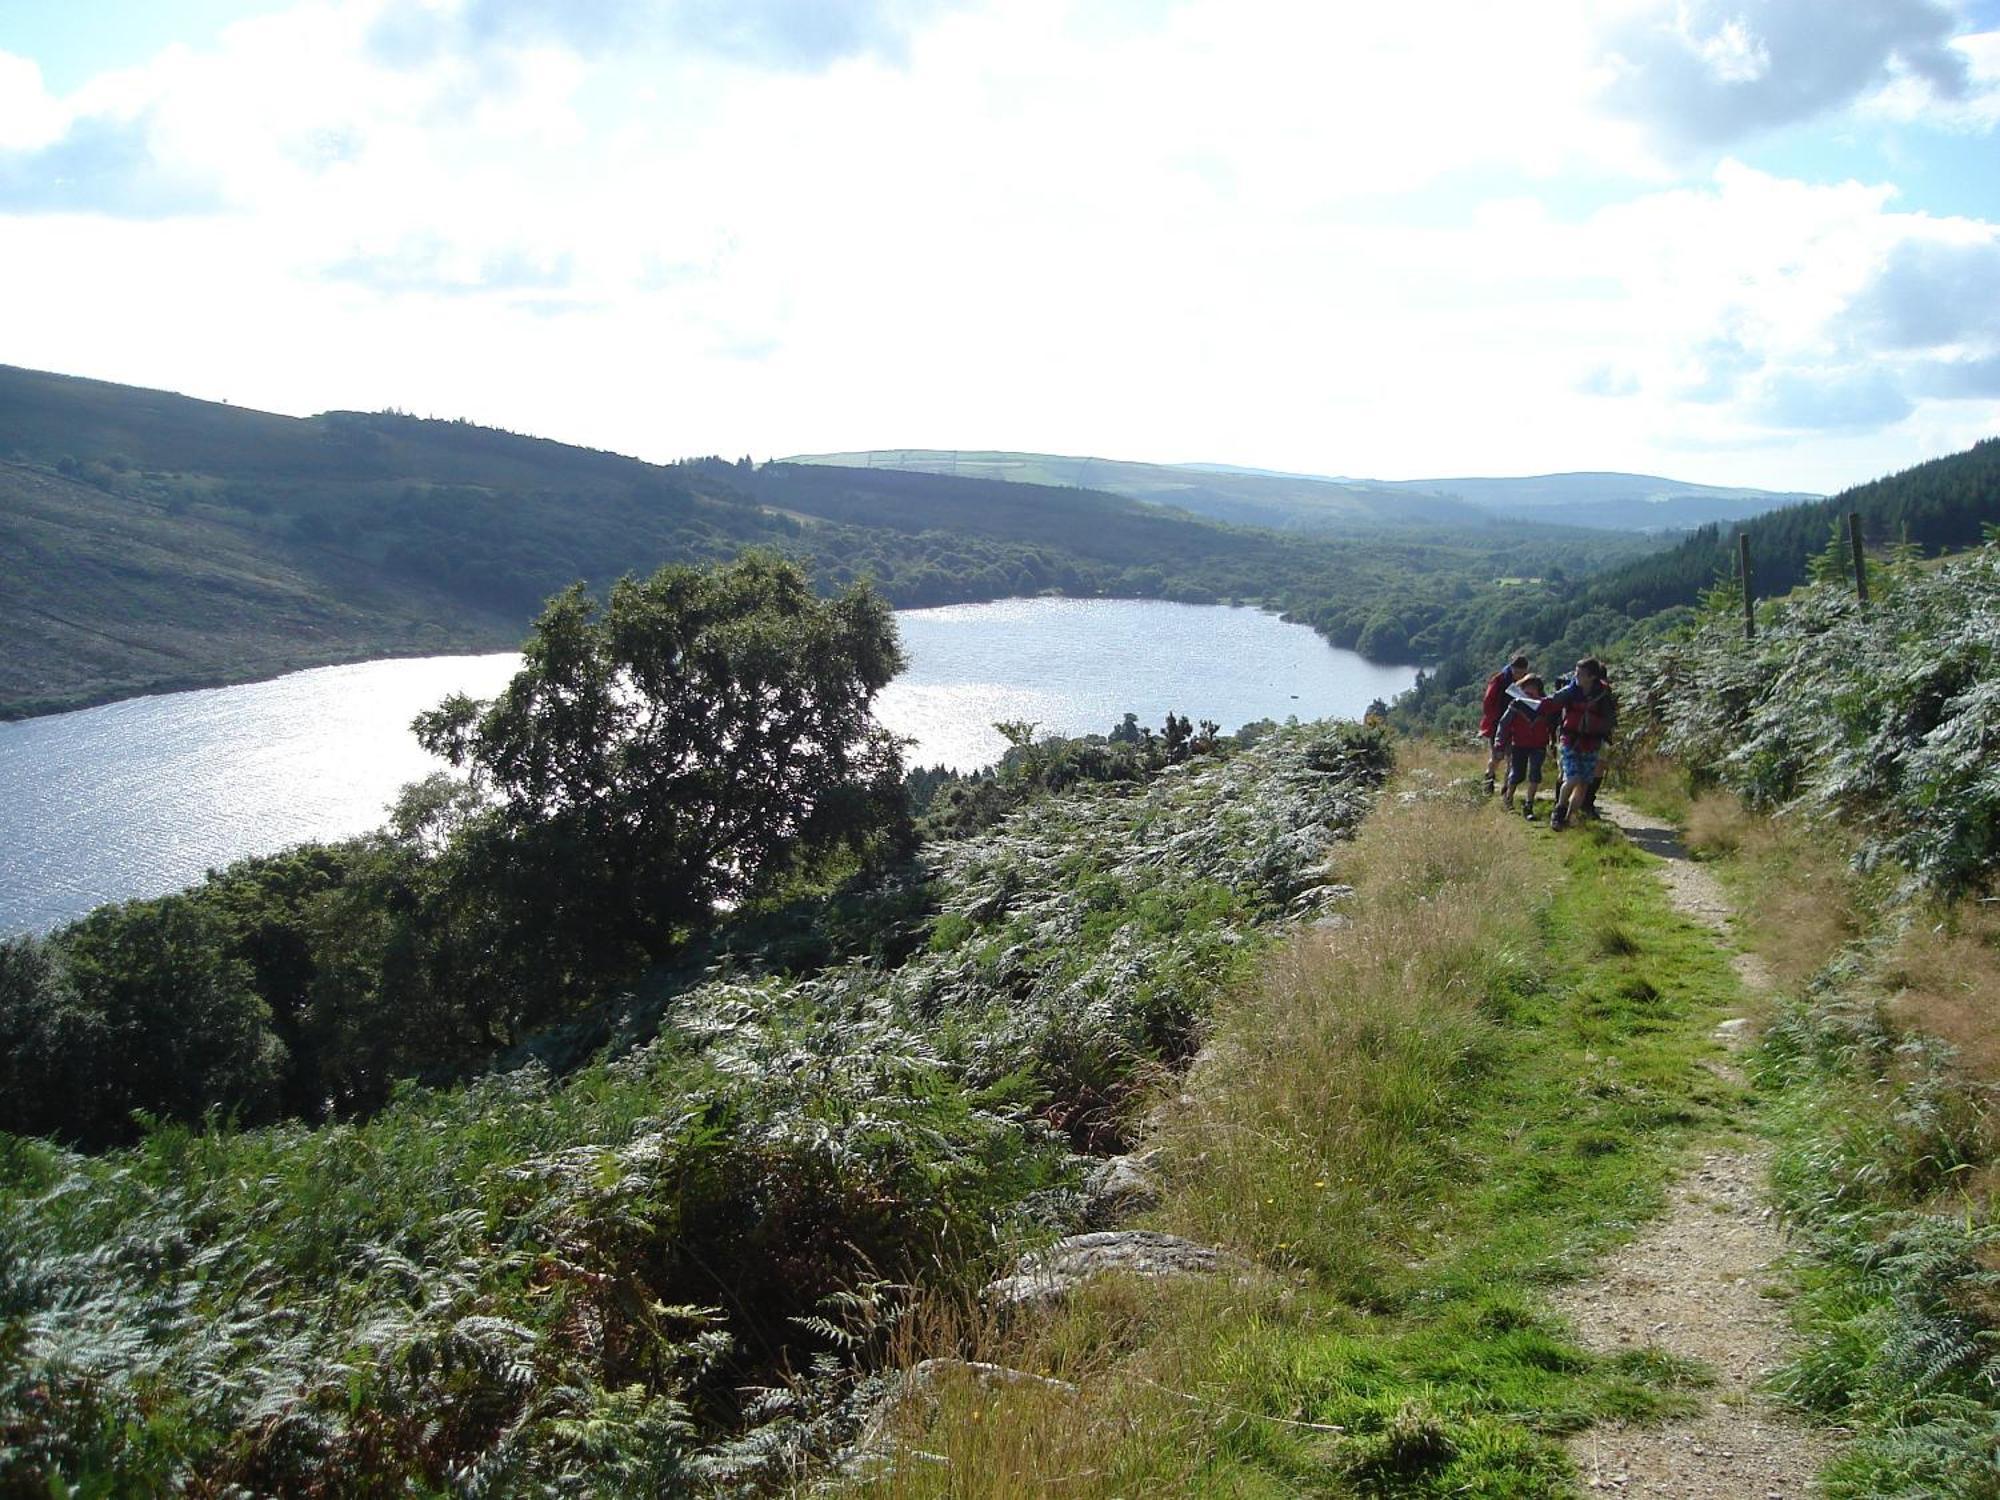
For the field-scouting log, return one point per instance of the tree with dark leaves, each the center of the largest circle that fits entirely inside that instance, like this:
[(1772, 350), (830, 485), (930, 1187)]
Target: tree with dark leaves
[(669, 753)]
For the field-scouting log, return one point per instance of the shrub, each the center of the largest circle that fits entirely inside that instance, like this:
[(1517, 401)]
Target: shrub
[(1886, 718)]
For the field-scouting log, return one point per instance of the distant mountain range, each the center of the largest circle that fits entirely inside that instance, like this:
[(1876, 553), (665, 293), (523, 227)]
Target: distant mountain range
[(1306, 502)]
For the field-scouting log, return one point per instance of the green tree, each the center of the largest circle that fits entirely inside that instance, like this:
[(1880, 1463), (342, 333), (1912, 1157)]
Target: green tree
[(1383, 638), (48, 1041), (151, 1011), (669, 753)]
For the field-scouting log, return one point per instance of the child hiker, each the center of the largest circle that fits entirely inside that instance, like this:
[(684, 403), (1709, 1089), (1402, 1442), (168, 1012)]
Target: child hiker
[(1522, 735)]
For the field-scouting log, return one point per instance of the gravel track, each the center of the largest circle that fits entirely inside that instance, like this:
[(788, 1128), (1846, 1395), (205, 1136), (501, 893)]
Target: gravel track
[(1694, 1285)]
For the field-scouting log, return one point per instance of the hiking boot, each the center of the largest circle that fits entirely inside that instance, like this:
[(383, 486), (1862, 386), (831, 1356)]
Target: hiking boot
[(1488, 786), (1558, 821), (1528, 812)]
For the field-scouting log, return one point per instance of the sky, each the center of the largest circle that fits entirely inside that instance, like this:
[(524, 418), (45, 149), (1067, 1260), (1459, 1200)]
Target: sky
[(1747, 242)]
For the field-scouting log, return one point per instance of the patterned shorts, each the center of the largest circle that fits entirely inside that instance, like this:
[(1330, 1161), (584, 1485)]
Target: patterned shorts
[(1579, 765)]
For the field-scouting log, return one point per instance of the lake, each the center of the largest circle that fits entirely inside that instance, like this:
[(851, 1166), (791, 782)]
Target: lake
[(141, 797)]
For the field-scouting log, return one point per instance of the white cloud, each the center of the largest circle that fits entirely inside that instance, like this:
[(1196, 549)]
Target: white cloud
[(1189, 233), (1701, 75), (1908, 98), (29, 117)]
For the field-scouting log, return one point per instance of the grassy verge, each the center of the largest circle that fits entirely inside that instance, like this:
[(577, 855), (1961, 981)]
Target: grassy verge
[(1412, 1124)]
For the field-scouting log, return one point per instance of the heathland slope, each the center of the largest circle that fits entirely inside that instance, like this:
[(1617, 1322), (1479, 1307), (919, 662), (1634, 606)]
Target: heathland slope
[(733, 1232), (675, 1265), (1840, 772)]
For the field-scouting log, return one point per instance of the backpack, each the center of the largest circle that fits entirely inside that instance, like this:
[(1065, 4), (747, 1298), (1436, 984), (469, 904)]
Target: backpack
[(1588, 724)]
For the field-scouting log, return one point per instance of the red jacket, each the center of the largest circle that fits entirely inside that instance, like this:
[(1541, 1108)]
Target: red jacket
[(1495, 702), (1523, 727)]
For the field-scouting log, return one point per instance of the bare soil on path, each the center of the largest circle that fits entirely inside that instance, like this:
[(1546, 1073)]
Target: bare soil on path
[(1694, 1285)]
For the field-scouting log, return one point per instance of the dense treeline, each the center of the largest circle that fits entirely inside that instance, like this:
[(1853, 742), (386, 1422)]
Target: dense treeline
[(1939, 505)]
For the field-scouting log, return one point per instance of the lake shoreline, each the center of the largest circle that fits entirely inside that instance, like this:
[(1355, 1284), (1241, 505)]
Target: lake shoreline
[(472, 643), (480, 642)]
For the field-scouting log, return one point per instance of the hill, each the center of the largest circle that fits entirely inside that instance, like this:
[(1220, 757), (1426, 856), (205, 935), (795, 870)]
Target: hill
[(564, 1283), (1238, 497), (1318, 502), (166, 542), (1635, 502)]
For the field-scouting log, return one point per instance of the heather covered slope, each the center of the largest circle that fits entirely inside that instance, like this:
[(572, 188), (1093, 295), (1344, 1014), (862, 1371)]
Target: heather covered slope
[(1842, 773), (1883, 719)]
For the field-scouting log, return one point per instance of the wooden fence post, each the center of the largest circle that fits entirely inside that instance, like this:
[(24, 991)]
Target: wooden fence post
[(1749, 592), (1860, 557)]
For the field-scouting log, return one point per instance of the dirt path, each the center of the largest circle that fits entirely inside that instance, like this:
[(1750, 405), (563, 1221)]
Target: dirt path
[(1693, 1285)]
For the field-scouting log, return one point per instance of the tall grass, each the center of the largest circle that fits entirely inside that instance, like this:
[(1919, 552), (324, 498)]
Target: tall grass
[(1339, 1076)]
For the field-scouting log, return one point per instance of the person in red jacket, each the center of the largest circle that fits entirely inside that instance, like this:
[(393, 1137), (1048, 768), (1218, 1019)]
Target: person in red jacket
[(1494, 704), (1523, 737)]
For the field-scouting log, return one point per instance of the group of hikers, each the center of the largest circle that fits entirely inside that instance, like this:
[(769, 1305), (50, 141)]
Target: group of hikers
[(1519, 717)]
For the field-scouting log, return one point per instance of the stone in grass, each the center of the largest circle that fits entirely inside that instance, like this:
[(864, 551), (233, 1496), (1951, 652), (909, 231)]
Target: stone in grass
[(1047, 1276), (1121, 1186)]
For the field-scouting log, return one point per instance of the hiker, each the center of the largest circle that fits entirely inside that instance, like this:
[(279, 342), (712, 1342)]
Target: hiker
[(1589, 714), (1522, 735), (1589, 803), (1586, 806), (1498, 690)]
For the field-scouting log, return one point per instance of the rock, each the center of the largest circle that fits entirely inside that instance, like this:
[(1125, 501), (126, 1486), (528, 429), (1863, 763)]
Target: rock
[(1311, 901), (1120, 1186), (1047, 1276), (1735, 1030)]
